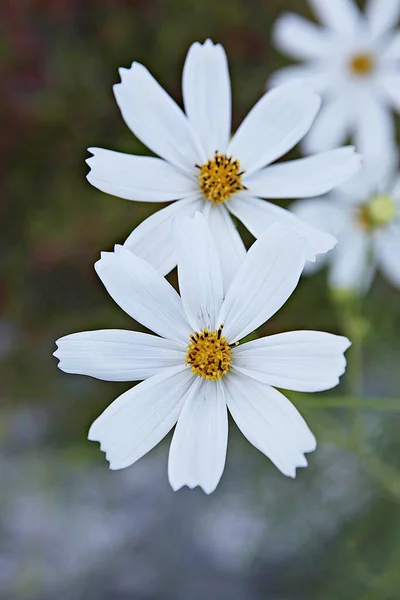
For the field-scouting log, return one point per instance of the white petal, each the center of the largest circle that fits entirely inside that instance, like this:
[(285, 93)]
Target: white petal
[(331, 127), (139, 419), (382, 15), (389, 253), (155, 118), (392, 50), (300, 38), (377, 176), (143, 293), (375, 130), (305, 177), (304, 361), (315, 76), (359, 189), (391, 85), (395, 193), (207, 95), (141, 178), (324, 213), (117, 355), (231, 249), (275, 124), (270, 422), (152, 240), (199, 272), (266, 279), (257, 215), (352, 263), (341, 16), (198, 447)]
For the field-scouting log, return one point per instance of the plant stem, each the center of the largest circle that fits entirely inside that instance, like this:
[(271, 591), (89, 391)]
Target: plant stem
[(349, 307)]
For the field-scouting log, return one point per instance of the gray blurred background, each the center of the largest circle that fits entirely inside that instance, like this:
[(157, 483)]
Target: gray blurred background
[(69, 528)]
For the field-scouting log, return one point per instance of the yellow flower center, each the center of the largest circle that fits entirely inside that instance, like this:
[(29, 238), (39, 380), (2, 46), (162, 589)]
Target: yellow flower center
[(362, 64), (209, 354), (377, 213), (220, 177)]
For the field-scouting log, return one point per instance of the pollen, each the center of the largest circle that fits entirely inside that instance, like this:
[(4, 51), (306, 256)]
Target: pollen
[(209, 354), (362, 64), (377, 213), (220, 178)]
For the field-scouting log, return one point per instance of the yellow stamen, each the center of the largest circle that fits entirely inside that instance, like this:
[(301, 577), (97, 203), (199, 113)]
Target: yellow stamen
[(362, 64), (220, 177), (377, 213), (209, 354)]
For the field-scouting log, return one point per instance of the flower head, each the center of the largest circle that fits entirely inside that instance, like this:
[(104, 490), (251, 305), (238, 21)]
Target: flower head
[(202, 169), (353, 61), (364, 214), (194, 369)]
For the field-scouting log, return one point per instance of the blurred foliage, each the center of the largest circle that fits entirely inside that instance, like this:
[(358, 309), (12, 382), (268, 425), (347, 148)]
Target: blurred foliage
[(58, 61)]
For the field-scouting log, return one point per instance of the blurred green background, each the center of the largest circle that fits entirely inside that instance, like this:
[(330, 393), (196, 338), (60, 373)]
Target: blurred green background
[(70, 528)]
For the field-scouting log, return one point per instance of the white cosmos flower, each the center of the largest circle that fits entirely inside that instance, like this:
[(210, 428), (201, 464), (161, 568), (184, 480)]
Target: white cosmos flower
[(205, 170), (193, 369), (354, 62), (365, 216)]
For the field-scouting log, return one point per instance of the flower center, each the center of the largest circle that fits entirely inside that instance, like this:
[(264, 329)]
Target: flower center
[(220, 177), (377, 213), (209, 354), (362, 64)]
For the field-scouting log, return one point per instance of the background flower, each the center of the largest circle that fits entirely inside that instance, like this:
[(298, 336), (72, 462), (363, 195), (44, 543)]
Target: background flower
[(365, 216), (353, 60)]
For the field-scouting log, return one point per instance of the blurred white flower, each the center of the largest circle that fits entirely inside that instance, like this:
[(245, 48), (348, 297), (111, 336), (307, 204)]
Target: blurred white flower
[(206, 170), (364, 214), (354, 62), (196, 370)]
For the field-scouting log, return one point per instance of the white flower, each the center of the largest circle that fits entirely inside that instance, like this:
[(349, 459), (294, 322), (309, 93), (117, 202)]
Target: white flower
[(354, 62), (365, 216), (206, 170), (196, 370)]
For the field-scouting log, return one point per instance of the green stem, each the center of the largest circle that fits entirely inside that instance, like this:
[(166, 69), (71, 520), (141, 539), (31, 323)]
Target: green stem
[(355, 366), (349, 307)]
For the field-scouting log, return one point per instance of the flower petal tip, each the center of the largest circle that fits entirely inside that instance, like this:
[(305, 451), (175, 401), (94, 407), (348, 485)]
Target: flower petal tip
[(122, 71), (346, 344), (326, 243), (313, 444), (334, 241), (90, 435), (301, 464), (205, 488), (113, 467)]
